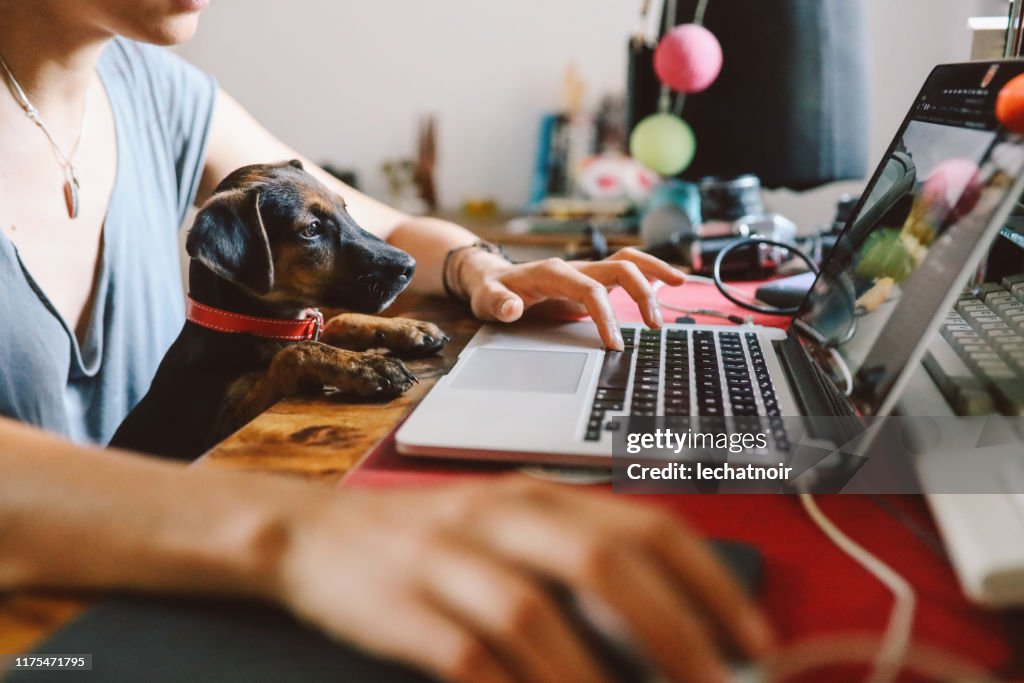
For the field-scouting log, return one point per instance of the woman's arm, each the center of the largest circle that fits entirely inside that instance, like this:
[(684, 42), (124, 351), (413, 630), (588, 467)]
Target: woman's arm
[(495, 289), (78, 517), (453, 579)]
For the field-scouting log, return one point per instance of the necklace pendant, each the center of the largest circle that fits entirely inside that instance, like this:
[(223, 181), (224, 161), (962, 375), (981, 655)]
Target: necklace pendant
[(71, 195)]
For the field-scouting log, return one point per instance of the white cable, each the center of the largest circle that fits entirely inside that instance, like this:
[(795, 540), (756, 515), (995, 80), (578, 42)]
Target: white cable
[(844, 369), (734, 318), (735, 291), (896, 640)]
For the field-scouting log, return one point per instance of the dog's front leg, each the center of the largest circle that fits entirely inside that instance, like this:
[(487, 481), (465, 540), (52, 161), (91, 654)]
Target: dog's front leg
[(307, 367), (402, 336)]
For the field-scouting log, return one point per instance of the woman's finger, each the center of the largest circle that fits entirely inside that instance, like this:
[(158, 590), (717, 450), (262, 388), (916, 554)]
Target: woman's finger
[(494, 301), (520, 620), (555, 278), (651, 266), (687, 557), (560, 309), (652, 602), (671, 631), (627, 275), (422, 635), (504, 298)]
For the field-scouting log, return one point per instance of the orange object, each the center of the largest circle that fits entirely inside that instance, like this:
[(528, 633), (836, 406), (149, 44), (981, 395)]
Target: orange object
[(1010, 104)]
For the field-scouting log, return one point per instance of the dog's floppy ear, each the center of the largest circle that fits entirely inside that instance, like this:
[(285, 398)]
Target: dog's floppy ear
[(229, 238)]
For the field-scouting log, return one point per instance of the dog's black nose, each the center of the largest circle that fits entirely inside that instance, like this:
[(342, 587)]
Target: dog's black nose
[(400, 269)]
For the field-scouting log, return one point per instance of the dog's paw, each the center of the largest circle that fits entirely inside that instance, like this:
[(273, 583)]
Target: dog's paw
[(401, 336), (373, 376), (410, 338)]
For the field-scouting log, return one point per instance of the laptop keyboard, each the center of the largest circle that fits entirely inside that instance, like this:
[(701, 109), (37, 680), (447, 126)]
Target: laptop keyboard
[(683, 373), (977, 360)]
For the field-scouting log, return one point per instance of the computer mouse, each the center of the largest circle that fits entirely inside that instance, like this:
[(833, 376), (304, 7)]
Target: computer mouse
[(609, 638), (605, 634)]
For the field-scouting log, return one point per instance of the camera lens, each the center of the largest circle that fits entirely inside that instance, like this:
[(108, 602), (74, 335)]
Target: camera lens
[(727, 199)]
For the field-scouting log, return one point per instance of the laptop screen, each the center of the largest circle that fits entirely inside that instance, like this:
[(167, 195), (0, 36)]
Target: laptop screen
[(950, 171)]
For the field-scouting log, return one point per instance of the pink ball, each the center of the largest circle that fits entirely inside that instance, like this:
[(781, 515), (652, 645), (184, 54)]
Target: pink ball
[(688, 59), (954, 186)]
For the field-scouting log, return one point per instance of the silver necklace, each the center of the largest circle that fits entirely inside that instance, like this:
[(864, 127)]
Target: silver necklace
[(66, 161)]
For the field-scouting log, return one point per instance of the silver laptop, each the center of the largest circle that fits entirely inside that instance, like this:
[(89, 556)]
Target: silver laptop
[(550, 393)]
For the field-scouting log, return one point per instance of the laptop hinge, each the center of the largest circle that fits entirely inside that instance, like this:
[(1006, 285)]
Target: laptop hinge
[(799, 369), (816, 395)]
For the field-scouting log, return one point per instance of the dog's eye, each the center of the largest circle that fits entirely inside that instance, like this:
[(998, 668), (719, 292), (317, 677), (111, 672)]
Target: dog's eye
[(311, 231)]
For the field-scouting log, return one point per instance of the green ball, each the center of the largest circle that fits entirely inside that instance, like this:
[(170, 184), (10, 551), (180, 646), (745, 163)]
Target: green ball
[(663, 143)]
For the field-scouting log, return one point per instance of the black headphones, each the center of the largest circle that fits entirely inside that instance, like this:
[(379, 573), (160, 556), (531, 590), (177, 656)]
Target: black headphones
[(756, 241)]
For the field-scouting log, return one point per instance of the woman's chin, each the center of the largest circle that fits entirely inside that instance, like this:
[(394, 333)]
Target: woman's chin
[(171, 31), (167, 22)]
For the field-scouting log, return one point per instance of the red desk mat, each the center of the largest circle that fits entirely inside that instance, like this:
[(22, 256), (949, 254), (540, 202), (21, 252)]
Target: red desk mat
[(810, 587)]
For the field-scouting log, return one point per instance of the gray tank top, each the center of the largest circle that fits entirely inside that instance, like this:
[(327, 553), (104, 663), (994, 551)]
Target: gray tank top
[(162, 109)]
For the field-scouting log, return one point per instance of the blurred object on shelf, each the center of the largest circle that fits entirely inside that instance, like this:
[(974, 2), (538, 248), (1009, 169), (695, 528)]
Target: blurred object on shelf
[(729, 199), (673, 207), (480, 207), (616, 176), (570, 139), (593, 247), (345, 175), (550, 174), (564, 237), (827, 235), (535, 224), (845, 205), (988, 37), (573, 215), (412, 187), (426, 161), (574, 88), (610, 124), (730, 208), (403, 193), (567, 207), (579, 129)]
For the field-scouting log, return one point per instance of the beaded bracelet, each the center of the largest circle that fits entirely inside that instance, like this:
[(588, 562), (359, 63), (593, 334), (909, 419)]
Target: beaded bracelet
[(449, 261)]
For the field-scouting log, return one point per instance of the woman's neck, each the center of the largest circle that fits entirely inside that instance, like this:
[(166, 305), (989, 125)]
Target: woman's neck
[(53, 56)]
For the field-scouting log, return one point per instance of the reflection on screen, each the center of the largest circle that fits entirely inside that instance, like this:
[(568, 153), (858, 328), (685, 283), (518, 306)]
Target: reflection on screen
[(929, 206)]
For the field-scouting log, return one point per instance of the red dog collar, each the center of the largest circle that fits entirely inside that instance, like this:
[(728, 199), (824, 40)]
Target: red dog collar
[(270, 328)]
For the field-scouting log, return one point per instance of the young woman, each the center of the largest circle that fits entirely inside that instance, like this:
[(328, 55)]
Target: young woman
[(105, 141)]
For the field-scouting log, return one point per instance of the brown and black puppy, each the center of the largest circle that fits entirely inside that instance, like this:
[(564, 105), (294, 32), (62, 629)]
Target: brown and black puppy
[(271, 242)]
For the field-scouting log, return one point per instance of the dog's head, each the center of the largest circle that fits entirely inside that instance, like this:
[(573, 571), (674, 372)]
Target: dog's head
[(278, 232)]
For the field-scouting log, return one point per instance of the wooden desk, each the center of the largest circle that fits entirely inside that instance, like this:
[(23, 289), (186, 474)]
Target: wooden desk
[(810, 589), (320, 438)]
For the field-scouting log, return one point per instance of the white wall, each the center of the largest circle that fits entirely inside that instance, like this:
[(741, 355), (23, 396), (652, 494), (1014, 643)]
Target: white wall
[(344, 81)]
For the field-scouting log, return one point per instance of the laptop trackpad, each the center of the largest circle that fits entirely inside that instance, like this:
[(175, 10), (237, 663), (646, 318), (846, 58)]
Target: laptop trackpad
[(549, 372)]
